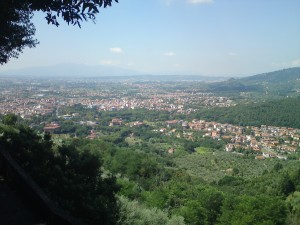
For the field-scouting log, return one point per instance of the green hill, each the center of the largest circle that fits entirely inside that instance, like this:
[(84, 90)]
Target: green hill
[(283, 112), (279, 83), (280, 76)]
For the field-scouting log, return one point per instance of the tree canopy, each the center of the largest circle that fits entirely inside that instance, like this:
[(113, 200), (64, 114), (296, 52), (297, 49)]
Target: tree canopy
[(17, 31)]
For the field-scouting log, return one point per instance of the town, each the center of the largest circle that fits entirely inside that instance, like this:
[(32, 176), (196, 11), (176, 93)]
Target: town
[(28, 98), (264, 141)]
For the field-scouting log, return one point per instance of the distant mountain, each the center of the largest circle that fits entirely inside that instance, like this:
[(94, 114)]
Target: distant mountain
[(279, 83), (284, 82), (279, 76), (68, 70), (71, 70), (174, 78)]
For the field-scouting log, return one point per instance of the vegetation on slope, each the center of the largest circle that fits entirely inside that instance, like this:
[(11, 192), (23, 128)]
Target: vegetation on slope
[(188, 187), (71, 177), (282, 113), (281, 83)]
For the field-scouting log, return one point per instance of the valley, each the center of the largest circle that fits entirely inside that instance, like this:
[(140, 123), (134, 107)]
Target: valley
[(166, 152)]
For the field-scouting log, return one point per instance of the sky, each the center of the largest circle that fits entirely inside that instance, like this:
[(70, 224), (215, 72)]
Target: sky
[(193, 37)]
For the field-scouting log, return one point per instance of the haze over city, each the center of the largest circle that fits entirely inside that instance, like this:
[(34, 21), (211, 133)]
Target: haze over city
[(198, 37)]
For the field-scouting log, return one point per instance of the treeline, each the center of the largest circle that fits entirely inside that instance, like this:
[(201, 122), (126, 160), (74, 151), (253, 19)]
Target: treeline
[(281, 113)]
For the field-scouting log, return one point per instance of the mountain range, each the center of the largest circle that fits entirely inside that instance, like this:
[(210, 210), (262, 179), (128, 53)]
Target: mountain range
[(286, 80), (68, 70), (71, 70)]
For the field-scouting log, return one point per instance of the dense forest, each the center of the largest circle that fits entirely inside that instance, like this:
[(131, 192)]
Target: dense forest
[(127, 177), (282, 113), (72, 178)]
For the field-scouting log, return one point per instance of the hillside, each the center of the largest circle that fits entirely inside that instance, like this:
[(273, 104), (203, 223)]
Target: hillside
[(283, 112), (279, 83), (276, 77)]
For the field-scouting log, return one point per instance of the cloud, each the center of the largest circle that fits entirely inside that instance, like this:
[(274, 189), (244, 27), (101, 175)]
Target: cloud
[(108, 62), (200, 1), (169, 54), (116, 50)]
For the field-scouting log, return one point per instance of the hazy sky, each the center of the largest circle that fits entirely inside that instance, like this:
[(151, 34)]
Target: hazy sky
[(205, 37)]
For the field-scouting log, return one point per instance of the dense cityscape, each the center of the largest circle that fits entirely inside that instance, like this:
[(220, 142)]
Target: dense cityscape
[(30, 97)]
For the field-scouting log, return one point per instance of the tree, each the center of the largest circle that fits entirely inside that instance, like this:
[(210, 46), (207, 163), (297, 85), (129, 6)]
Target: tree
[(17, 30), (286, 185), (10, 119), (212, 201), (245, 209), (293, 203), (134, 213), (71, 177), (278, 166), (193, 213)]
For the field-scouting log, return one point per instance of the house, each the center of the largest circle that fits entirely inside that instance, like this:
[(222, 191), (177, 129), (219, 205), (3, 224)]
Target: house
[(256, 148), (227, 137), (67, 117), (215, 134), (269, 154), (184, 125), (50, 128), (171, 122), (282, 157), (138, 124), (162, 130), (253, 142), (196, 125), (116, 122), (260, 157), (171, 150), (229, 148), (91, 123), (92, 135)]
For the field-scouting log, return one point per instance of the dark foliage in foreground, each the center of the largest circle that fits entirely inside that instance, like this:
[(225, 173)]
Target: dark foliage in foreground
[(72, 178)]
